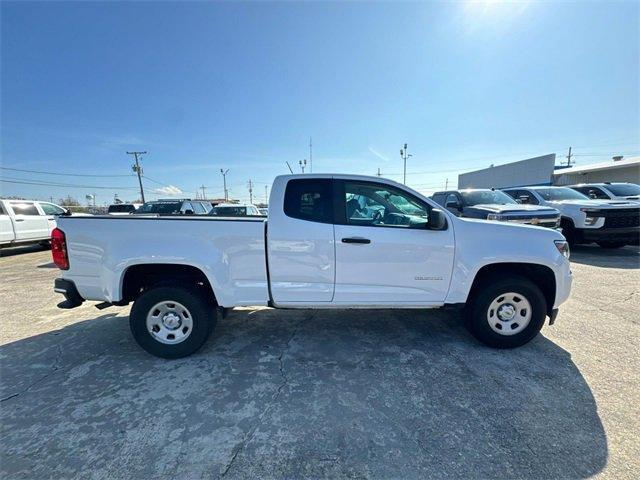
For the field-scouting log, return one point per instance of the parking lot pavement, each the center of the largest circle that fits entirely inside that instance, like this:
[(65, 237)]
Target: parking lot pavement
[(289, 394)]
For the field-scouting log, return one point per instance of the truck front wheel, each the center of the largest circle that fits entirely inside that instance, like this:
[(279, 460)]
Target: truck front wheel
[(171, 322), (506, 313)]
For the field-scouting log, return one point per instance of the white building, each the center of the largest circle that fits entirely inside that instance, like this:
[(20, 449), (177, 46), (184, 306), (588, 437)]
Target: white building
[(542, 171), (623, 170)]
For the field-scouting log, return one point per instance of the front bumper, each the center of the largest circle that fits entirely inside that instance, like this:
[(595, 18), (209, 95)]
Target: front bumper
[(629, 235), (70, 292)]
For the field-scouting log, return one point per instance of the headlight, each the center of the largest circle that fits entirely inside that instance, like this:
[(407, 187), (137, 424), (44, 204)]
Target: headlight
[(495, 216), (592, 215), (563, 248)]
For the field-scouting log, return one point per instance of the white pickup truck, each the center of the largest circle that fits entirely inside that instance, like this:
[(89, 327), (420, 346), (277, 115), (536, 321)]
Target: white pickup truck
[(318, 248), (27, 221)]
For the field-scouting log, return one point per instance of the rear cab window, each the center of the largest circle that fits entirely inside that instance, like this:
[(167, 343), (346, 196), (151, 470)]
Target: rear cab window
[(24, 208), (310, 200)]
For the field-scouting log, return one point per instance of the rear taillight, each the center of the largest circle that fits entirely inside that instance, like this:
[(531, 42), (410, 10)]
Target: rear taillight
[(59, 249)]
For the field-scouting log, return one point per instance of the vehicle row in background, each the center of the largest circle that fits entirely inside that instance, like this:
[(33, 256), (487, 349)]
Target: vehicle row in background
[(27, 221), (609, 223), (185, 206), (496, 205)]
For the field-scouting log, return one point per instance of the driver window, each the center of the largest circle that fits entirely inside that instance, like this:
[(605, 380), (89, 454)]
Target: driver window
[(370, 204)]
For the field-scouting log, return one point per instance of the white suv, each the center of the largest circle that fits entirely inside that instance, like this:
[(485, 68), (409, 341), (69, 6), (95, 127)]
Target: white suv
[(609, 223), (609, 191)]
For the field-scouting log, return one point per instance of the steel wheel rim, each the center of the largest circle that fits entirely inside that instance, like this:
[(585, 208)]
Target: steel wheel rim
[(169, 322), (509, 313)]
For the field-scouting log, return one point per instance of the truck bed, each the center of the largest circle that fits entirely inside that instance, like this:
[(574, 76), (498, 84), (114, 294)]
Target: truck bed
[(230, 251)]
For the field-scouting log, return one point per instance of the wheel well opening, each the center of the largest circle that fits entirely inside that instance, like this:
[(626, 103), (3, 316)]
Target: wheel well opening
[(541, 275), (139, 278)]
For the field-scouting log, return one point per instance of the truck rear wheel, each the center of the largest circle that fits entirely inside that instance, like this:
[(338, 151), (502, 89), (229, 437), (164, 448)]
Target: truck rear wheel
[(507, 313), (171, 322)]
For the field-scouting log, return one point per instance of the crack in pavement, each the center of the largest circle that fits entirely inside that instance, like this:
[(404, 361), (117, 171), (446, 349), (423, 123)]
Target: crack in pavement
[(285, 381), (56, 366)]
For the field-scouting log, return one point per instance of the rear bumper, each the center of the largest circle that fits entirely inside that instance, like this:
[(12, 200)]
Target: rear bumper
[(630, 235), (70, 292)]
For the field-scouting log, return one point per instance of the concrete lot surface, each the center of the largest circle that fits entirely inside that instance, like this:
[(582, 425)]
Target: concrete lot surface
[(290, 394)]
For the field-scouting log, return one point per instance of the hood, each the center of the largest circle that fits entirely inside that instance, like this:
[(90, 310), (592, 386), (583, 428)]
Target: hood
[(596, 203), (513, 208)]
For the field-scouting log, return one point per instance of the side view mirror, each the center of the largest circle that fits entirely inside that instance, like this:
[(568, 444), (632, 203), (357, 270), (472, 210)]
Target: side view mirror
[(437, 220), (454, 205), (188, 211)]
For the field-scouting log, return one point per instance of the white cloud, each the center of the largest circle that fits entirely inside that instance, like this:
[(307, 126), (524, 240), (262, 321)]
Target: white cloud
[(170, 190), (378, 154)]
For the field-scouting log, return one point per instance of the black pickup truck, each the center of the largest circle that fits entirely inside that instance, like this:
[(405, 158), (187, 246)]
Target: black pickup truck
[(489, 204)]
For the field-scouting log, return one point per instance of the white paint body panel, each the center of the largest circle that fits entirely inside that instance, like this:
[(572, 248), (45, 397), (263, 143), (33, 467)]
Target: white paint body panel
[(308, 265), (18, 228)]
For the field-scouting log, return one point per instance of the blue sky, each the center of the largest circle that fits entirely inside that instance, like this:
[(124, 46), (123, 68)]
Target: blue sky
[(243, 86)]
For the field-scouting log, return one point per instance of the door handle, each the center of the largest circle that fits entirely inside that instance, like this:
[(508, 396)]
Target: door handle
[(356, 240), (19, 219)]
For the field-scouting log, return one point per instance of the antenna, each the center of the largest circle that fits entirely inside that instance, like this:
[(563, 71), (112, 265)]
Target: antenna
[(289, 167)]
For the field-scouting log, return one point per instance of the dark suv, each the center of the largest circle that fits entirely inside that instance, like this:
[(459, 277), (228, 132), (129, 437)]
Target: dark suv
[(490, 204), (183, 206)]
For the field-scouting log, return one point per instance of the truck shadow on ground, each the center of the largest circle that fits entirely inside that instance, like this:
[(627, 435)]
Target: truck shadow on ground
[(627, 257), (290, 394)]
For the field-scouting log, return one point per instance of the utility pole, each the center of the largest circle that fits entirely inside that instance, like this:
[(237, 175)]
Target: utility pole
[(303, 163), (446, 184), (379, 174), (569, 158), (202, 187), (310, 155), (266, 194), (224, 179), (136, 168), (404, 155), (250, 185)]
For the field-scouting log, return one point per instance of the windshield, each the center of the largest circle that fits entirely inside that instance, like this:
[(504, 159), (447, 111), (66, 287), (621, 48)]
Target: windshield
[(121, 208), (560, 193), (477, 197), (624, 189), (230, 211), (162, 208)]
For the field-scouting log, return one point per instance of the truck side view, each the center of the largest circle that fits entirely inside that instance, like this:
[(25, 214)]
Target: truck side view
[(321, 246)]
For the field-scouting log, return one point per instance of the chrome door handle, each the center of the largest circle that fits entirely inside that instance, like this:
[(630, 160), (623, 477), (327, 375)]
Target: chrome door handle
[(356, 240)]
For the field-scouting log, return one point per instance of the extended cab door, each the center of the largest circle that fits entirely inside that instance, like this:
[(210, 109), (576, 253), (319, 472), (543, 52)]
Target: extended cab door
[(300, 241), (385, 252), (30, 223)]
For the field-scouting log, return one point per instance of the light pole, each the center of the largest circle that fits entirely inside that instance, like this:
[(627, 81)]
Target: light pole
[(404, 155), (224, 179), (303, 163)]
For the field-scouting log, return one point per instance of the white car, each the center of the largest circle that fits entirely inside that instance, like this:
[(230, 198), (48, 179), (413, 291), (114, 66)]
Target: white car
[(27, 221), (609, 223), (314, 251), (235, 210), (609, 191)]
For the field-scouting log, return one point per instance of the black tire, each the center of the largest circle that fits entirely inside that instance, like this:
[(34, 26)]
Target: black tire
[(478, 309), (568, 231), (611, 244), (201, 312)]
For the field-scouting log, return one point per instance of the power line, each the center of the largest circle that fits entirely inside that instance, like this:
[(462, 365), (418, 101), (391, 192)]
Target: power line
[(61, 174), (65, 185)]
